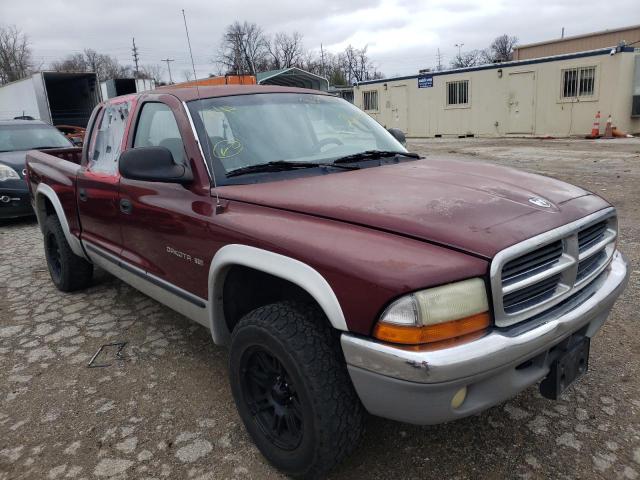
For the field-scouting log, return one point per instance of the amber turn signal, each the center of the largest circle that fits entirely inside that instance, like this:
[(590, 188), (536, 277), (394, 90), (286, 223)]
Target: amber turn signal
[(407, 335)]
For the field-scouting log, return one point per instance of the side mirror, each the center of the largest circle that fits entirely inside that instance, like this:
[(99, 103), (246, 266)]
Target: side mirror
[(153, 164), (398, 135)]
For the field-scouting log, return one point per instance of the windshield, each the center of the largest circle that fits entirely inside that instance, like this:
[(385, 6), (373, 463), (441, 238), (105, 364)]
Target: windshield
[(247, 130), (27, 137)]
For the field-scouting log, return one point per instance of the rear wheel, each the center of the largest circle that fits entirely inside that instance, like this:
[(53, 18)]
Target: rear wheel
[(68, 271), (292, 389)]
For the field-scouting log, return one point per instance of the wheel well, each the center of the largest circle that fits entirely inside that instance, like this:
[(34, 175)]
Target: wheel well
[(246, 289), (48, 207)]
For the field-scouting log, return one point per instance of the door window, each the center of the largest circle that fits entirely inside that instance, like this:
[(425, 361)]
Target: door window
[(157, 127), (107, 144)]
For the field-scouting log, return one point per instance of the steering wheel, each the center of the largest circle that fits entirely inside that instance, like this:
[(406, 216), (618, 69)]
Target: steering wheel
[(329, 141)]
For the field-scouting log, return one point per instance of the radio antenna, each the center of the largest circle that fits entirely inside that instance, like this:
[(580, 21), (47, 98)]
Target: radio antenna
[(206, 134)]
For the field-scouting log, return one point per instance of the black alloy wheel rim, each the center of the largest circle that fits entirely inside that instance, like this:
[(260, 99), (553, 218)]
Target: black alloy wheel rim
[(272, 398), (54, 256)]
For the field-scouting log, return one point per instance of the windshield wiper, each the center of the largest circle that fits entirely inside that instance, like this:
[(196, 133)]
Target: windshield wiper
[(374, 154), (282, 165)]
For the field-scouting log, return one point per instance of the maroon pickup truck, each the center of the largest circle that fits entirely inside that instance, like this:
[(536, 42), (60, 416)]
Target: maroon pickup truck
[(344, 273)]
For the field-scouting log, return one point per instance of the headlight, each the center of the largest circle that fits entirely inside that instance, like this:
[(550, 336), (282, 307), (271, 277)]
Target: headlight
[(436, 314), (8, 173)]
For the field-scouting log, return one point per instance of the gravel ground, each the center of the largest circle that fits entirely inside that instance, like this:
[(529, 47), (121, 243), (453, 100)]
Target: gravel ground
[(163, 408)]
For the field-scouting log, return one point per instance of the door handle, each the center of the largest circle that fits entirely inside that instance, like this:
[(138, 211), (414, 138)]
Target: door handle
[(126, 206), (82, 194)]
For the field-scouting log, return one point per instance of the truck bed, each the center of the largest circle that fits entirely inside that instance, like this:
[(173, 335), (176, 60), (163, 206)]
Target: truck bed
[(57, 168)]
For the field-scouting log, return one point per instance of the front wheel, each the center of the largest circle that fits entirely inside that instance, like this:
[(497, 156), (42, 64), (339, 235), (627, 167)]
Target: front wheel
[(292, 389)]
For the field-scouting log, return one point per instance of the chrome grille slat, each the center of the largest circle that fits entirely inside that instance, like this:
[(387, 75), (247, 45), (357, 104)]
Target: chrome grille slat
[(590, 235), (592, 248), (515, 299), (539, 275), (535, 260), (530, 277), (589, 265)]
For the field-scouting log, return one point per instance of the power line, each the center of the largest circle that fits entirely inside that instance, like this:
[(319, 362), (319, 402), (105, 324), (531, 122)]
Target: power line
[(168, 67)]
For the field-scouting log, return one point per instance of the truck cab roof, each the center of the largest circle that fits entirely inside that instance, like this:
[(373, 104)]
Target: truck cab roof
[(189, 93)]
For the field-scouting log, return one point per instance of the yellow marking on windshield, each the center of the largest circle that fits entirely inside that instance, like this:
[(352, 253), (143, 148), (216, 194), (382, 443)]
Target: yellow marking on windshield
[(223, 108), (225, 149)]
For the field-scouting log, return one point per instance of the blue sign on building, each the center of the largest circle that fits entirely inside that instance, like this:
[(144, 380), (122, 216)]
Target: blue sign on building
[(425, 81)]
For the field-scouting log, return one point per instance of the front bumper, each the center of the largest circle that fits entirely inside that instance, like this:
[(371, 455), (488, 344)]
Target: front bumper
[(418, 386), (14, 203)]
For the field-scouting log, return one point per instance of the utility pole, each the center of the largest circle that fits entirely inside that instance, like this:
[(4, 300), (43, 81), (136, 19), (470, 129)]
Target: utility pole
[(322, 59), (168, 67), (459, 45), (135, 57), (439, 57)]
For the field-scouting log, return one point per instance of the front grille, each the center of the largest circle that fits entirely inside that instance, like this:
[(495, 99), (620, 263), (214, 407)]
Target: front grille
[(591, 235), (533, 276), (531, 262), (587, 266), (530, 295)]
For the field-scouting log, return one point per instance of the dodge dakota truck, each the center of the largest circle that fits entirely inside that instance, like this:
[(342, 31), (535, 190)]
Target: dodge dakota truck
[(345, 274)]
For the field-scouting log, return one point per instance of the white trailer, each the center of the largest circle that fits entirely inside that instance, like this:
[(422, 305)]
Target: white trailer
[(122, 86), (58, 98)]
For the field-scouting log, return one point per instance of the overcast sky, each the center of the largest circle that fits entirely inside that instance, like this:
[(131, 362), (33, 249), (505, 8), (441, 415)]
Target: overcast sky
[(403, 35)]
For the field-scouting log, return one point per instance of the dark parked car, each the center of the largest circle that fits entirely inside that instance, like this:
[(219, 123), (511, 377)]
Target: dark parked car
[(16, 138)]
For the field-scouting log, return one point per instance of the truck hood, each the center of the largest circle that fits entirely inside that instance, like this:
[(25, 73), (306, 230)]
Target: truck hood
[(475, 207)]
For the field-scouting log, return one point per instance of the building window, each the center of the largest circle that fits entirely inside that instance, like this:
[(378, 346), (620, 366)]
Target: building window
[(370, 100), (578, 82), (458, 92)]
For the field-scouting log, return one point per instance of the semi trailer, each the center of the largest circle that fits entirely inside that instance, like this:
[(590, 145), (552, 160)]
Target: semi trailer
[(53, 97)]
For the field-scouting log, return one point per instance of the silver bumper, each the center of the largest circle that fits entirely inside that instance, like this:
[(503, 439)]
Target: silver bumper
[(417, 387)]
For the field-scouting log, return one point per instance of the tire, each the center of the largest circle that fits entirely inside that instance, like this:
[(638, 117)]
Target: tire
[(68, 271), (285, 359)]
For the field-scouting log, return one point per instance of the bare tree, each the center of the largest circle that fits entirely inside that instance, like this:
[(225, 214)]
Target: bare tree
[(467, 59), (104, 66), (15, 54), (243, 49), (72, 63), (152, 71), (501, 49), (187, 75), (285, 50), (357, 65), (246, 49)]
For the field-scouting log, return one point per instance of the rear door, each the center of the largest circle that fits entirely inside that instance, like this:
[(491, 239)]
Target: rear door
[(165, 226), (98, 180)]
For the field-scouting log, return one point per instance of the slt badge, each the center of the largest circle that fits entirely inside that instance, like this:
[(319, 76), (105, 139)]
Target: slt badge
[(540, 202)]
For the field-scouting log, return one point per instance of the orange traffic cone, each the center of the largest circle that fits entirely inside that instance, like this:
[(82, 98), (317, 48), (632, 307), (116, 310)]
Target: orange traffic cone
[(595, 131), (608, 129)]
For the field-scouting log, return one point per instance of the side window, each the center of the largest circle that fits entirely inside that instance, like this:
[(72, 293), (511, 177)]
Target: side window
[(106, 146), (157, 127)]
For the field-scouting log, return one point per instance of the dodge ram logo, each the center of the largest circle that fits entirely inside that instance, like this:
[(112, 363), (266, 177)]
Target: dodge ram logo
[(540, 202)]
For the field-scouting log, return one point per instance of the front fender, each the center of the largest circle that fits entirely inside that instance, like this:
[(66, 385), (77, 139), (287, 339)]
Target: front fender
[(275, 264)]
